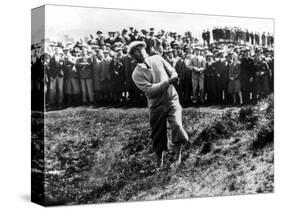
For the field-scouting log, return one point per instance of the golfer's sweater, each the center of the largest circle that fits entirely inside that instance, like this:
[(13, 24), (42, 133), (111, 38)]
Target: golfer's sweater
[(153, 81)]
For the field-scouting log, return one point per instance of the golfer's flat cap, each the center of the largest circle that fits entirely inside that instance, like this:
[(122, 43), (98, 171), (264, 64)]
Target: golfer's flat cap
[(135, 44)]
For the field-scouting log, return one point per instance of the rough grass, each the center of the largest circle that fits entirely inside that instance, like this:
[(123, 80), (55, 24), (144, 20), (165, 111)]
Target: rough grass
[(105, 155)]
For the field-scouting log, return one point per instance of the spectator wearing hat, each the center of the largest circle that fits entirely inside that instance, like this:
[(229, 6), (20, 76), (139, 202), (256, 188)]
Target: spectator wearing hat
[(39, 66), (131, 31), (118, 38), (106, 77), (262, 73), (131, 91), (135, 36), (97, 59), (198, 64), (222, 78), (184, 72), (188, 76), (83, 66), (55, 78), (210, 79), (36, 73), (270, 61), (257, 38), (156, 77), (100, 39), (204, 37), (246, 76), (111, 39), (208, 36), (45, 61), (120, 56), (144, 34), (159, 44), (234, 70), (214, 33), (165, 42), (91, 41), (263, 39), (151, 42), (268, 40), (116, 72), (124, 37), (72, 87), (107, 47)]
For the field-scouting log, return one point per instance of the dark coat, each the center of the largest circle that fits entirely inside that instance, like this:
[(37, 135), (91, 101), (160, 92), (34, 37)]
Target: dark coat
[(83, 66), (56, 68)]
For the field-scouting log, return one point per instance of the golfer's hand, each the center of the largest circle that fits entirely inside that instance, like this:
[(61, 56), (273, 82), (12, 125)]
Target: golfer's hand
[(174, 80)]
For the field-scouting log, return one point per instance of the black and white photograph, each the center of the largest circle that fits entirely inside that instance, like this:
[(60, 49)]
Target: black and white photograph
[(134, 105)]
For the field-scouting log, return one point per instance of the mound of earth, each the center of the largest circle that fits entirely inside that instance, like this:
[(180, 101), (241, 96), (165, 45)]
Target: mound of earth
[(95, 155)]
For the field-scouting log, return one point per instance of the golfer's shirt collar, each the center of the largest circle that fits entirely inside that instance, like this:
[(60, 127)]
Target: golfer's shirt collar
[(145, 65)]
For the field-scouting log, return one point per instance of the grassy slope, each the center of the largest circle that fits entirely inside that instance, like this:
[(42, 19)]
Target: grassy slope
[(105, 155)]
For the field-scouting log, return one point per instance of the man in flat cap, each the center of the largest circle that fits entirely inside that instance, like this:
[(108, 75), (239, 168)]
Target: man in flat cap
[(262, 74), (111, 39), (156, 78), (100, 38), (247, 75), (125, 37), (144, 36), (135, 36), (198, 64), (222, 77), (71, 79), (55, 76), (151, 42), (208, 35), (84, 69)]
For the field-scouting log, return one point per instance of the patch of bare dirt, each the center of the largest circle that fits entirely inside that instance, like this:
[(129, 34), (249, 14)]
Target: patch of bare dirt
[(105, 154)]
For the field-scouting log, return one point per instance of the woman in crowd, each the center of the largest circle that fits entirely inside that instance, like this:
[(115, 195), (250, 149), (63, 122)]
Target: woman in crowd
[(234, 69), (96, 68), (83, 66), (210, 79)]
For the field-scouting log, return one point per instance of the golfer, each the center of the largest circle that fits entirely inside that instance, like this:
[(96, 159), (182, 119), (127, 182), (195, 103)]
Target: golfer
[(156, 78)]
